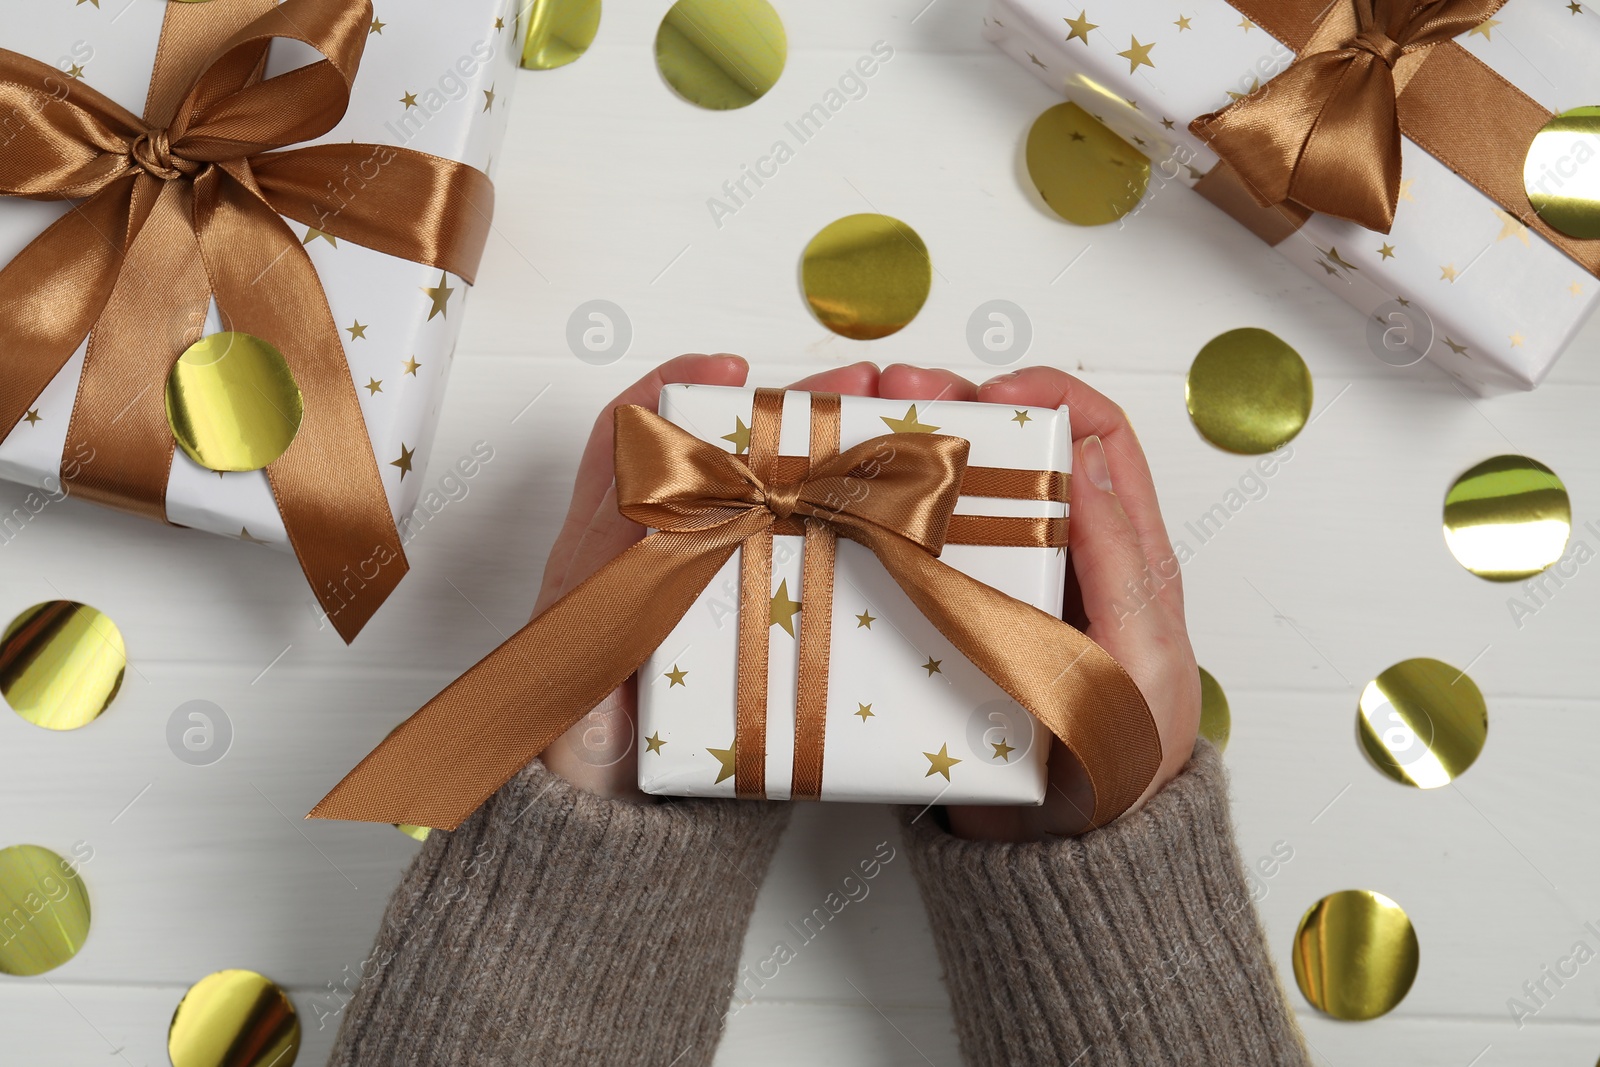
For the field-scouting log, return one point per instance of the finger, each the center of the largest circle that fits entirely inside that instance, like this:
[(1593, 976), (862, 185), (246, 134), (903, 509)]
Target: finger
[(596, 469), (1093, 414), (607, 536), (858, 379), (901, 381), (1106, 554)]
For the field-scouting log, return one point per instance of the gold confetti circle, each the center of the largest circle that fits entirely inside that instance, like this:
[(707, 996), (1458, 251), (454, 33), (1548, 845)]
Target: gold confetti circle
[(232, 402), (1507, 518), (1087, 174), (416, 833), (1355, 954), (1248, 391), (1215, 722), (61, 664), (559, 31), (46, 909), (721, 54), (234, 1019), (866, 276), (1422, 722), (1562, 172)]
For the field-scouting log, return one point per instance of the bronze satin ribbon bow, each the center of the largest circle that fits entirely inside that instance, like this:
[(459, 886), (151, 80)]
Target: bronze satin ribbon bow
[(443, 762), (1324, 135), (183, 205)]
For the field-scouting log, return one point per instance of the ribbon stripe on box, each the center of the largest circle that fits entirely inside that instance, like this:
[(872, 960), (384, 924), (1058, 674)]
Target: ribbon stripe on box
[(183, 206), (893, 494)]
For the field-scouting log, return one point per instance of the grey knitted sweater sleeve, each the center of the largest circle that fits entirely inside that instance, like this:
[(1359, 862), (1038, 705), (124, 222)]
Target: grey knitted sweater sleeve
[(1136, 945), (555, 927)]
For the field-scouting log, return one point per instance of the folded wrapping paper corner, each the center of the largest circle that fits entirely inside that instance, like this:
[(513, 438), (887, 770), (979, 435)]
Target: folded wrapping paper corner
[(704, 504), (184, 205)]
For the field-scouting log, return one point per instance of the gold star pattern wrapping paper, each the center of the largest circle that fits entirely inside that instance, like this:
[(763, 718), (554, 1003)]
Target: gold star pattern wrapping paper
[(1499, 290), (400, 310), (908, 718)]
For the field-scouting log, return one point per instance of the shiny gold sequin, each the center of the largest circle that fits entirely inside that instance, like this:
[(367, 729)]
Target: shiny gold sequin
[(1215, 722), (45, 909), (234, 1019), (1087, 174), (1507, 518), (1248, 391), (232, 402), (416, 833), (721, 54), (61, 664), (1422, 722), (866, 276), (1562, 172), (1355, 954), (559, 31)]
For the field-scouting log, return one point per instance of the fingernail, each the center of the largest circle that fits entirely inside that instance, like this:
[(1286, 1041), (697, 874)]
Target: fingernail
[(998, 378), (1094, 463)]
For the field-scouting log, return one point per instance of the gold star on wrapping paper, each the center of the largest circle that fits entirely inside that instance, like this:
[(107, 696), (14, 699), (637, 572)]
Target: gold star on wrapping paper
[(80, 3), (312, 233), (1140, 141), (653, 743), (865, 620), (781, 611), (1511, 226), (1002, 751), (863, 712), (373, 385), (1485, 28), (1460, 350), (1516, 340), (932, 666), (1576, 289), (356, 330), (1386, 251), (440, 295), (488, 98), (1020, 417), (1035, 60), (1255, 85), (1182, 23), (1246, 25), (1132, 103), (1327, 267), (376, 27), (409, 100), (1575, 7), (32, 417), (1080, 28), (724, 757), (244, 535), (1167, 124), (411, 365), (676, 677), (1402, 301), (1405, 190), (739, 438), (1448, 273), (1076, 136), (940, 762), (1138, 55), (908, 424), (404, 462), (499, 24), (75, 72)]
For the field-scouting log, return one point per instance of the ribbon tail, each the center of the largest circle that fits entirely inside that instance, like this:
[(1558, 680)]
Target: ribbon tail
[(1070, 684), (442, 763)]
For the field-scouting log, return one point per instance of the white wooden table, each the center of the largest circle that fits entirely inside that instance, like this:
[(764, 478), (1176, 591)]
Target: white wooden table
[(1306, 593)]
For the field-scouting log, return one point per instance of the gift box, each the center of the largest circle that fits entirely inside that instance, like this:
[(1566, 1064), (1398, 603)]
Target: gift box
[(1464, 278), (432, 85), (906, 718)]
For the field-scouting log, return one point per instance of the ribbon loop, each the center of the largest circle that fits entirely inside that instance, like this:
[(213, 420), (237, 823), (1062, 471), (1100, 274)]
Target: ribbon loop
[(152, 152)]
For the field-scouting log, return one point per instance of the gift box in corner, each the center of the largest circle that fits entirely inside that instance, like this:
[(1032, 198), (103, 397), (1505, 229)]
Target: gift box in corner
[(348, 252), (1467, 270), (906, 719)]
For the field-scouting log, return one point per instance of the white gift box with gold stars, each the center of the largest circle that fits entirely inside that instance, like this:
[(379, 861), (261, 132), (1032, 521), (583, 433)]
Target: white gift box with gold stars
[(909, 719), (434, 78), (1502, 301)]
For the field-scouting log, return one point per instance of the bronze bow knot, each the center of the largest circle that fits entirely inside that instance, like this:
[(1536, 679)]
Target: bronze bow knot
[(183, 206), (1324, 135), (893, 494)]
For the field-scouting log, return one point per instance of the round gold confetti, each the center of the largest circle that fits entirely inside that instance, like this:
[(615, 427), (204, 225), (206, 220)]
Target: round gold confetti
[(1355, 954), (559, 31), (1507, 518), (61, 664), (1248, 391), (866, 276), (1422, 722), (1215, 722), (232, 402), (721, 54), (234, 1019), (416, 833), (46, 909), (1562, 172), (1087, 174)]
